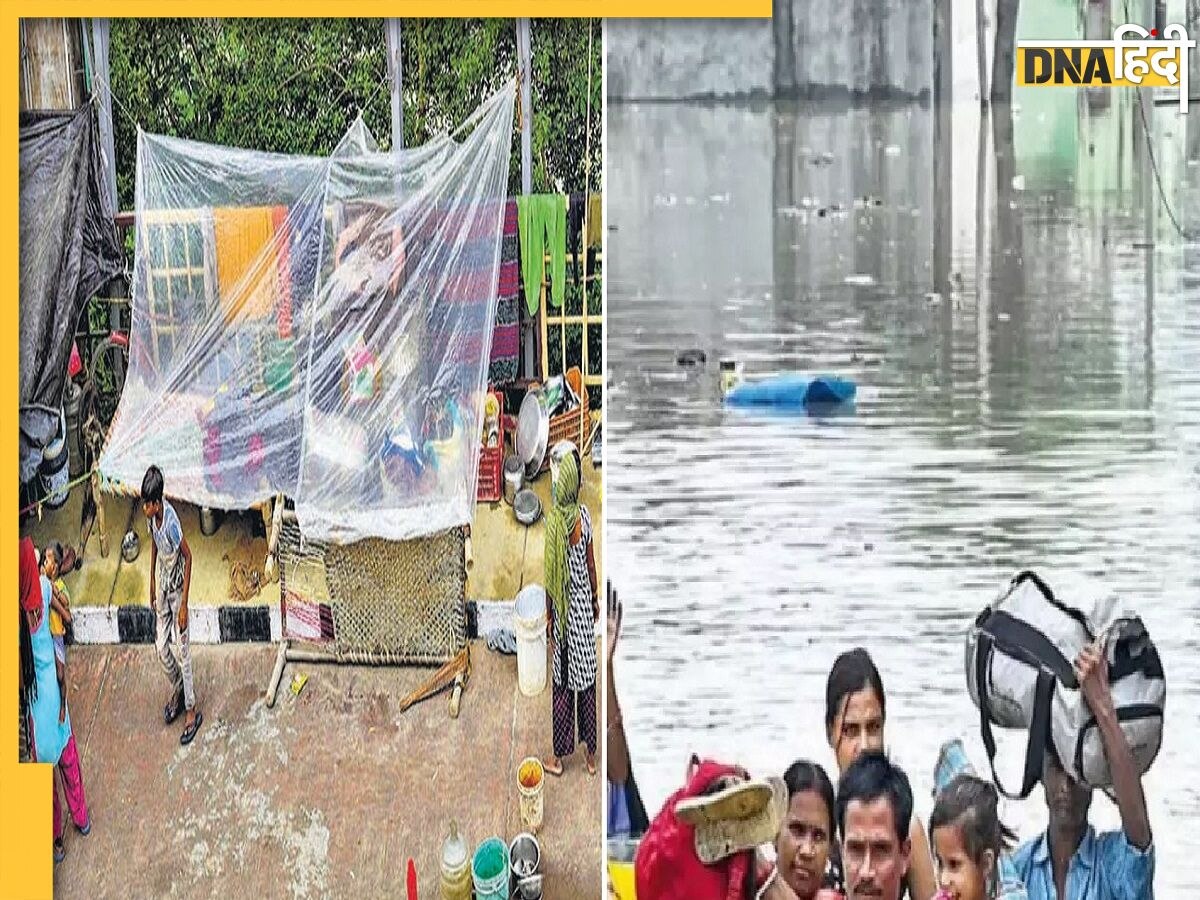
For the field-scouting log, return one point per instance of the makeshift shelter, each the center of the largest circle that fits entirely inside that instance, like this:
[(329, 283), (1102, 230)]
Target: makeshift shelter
[(317, 328), (69, 251), (320, 329)]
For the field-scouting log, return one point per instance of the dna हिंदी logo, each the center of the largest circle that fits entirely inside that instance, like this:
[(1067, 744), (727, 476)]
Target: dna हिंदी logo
[(1133, 58)]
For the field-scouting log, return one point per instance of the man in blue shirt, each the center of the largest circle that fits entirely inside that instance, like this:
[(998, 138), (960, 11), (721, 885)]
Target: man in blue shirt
[(1071, 861)]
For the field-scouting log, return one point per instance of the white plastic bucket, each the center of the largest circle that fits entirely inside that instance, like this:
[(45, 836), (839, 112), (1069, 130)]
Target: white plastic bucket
[(530, 621), (532, 796)]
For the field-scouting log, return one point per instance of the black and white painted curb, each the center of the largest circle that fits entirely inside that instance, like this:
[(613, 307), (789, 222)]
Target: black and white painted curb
[(238, 624), (206, 624)]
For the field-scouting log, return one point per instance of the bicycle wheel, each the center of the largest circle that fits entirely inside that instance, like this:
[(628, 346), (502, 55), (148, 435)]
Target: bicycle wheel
[(106, 374)]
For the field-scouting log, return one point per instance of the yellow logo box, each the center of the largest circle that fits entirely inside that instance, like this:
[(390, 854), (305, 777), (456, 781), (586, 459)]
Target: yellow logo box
[(1052, 65)]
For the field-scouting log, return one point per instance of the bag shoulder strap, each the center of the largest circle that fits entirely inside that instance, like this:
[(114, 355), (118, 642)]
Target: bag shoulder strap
[(1039, 730), (1017, 638)]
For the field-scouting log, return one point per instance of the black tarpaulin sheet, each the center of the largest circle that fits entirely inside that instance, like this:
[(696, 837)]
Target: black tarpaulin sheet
[(69, 249)]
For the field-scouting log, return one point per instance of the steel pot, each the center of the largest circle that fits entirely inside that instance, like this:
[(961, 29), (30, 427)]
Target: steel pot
[(210, 521), (525, 855), (130, 545), (527, 507), (514, 477)]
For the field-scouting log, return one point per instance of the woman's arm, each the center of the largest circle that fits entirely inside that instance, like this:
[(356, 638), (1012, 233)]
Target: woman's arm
[(616, 747), (63, 610), (922, 884), (591, 564), (60, 672)]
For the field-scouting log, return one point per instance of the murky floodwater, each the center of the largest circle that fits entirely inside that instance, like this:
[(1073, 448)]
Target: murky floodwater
[(1044, 413)]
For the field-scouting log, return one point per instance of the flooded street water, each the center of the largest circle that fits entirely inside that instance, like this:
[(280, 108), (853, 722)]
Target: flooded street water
[(1042, 411)]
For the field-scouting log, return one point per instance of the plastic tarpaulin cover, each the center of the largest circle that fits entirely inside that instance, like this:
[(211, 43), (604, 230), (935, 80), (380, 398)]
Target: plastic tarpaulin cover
[(316, 327), (69, 250)]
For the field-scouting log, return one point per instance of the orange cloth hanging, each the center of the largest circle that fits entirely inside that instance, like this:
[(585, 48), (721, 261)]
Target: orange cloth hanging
[(246, 261)]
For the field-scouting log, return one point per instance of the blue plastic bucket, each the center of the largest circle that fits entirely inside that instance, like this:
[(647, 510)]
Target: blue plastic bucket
[(489, 870), (55, 469)]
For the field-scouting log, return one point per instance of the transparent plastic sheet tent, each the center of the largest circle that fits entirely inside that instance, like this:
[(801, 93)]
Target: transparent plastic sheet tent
[(318, 328)]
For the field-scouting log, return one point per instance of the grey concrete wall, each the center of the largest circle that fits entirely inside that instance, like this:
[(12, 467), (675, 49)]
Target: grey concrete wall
[(672, 59), (865, 47)]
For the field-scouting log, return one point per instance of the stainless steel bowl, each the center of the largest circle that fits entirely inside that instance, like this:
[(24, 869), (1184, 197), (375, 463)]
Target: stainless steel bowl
[(130, 546), (527, 507)]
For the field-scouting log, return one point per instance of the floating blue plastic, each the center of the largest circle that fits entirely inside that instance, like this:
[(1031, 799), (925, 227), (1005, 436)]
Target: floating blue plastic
[(792, 389)]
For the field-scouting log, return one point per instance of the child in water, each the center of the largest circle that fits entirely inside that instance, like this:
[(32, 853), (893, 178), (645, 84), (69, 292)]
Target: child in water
[(968, 841)]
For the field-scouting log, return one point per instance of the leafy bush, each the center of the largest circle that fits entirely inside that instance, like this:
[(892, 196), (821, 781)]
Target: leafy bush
[(296, 85)]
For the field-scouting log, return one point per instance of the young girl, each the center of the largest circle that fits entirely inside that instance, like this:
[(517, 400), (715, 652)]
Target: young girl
[(968, 842), (60, 614)]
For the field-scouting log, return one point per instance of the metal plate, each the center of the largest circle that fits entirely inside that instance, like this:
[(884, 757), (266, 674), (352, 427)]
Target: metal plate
[(533, 431)]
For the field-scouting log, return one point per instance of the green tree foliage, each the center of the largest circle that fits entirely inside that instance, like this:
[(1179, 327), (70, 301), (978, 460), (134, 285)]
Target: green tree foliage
[(296, 85)]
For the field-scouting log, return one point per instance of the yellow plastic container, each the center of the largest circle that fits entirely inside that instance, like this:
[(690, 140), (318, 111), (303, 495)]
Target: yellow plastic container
[(620, 874)]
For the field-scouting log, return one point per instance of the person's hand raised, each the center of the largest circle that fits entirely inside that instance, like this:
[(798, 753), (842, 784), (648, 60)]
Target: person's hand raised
[(1091, 668), (615, 610)]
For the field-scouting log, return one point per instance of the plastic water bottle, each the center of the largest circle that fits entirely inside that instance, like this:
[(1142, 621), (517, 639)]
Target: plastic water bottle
[(456, 867)]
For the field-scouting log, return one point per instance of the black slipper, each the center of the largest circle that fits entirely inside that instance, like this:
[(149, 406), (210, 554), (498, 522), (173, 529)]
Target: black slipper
[(190, 731), (173, 708)]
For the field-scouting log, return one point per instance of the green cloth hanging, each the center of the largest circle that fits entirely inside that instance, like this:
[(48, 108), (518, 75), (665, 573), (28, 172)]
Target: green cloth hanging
[(542, 218)]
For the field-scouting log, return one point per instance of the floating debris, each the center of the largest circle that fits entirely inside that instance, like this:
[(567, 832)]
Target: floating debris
[(892, 150), (860, 280), (1018, 182), (719, 198), (933, 298), (665, 200), (1003, 317)]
